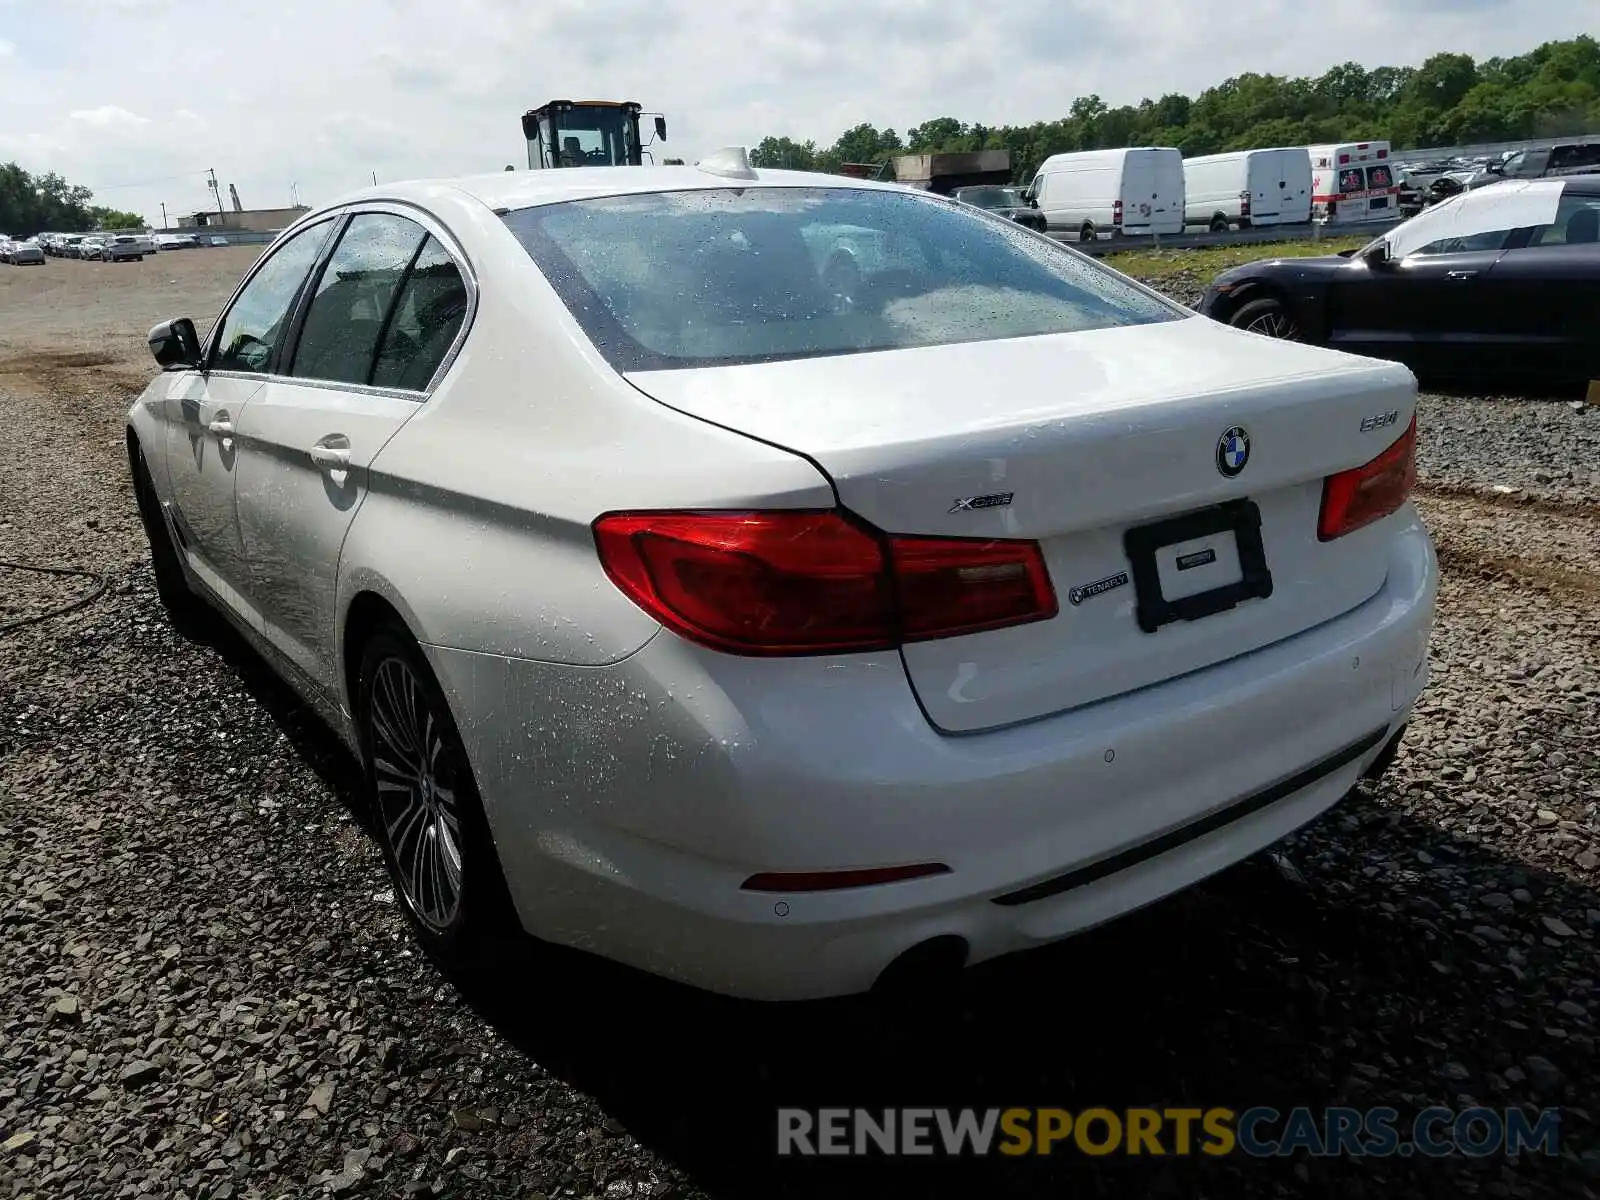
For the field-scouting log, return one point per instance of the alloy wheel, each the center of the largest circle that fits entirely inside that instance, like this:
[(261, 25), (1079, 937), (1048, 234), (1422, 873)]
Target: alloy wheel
[(416, 769), (1274, 324)]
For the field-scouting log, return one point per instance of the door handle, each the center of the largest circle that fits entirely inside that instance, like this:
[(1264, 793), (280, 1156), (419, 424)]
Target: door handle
[(1458, 275), (331, 458)]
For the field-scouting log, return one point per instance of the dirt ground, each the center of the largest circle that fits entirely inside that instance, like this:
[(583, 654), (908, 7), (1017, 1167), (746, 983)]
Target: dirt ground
[(197, 942), (66, 302)]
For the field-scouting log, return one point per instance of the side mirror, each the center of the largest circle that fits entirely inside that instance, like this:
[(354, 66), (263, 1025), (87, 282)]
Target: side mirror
[(1377, 254), (530, 127), (175, 344), (661, 128)]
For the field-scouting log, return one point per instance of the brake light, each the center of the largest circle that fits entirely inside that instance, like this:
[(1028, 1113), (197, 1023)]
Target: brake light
[(1244, 204), (1358, 497), (1116, 212), (815, 581)]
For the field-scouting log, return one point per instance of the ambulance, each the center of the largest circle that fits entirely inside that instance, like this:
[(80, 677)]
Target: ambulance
[(1353, 183)]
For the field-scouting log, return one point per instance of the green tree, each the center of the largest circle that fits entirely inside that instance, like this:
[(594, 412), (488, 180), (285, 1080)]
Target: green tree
[(1553, 90), (110, 218), (784, 153), (31, 204)]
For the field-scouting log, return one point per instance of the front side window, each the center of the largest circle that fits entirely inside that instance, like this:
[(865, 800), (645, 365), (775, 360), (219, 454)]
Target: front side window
[(249, 332), (735, 275), (345, 320), (1488, 239)]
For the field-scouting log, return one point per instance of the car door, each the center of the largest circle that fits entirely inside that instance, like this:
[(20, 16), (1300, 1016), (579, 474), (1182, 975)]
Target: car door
[(377, 325), (1432, 304), (203, 409)]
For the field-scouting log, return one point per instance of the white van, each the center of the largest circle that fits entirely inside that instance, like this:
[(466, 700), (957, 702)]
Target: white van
[(1248, 187), (1134, 190), (1353, 183)]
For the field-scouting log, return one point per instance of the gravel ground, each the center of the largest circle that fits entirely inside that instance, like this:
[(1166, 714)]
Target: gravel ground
[(208, 991)]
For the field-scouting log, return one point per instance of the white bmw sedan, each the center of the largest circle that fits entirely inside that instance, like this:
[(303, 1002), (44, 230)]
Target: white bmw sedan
[(781, 582)]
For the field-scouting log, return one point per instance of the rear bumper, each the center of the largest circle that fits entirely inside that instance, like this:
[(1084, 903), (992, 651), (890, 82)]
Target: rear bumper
[(630, 802)]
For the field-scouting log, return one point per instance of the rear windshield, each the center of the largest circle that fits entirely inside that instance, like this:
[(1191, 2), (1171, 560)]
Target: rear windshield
[(737, 275)]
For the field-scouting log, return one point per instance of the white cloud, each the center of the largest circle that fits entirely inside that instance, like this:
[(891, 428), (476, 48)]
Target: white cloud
[(7, 50), (108, 116), (325, 93)]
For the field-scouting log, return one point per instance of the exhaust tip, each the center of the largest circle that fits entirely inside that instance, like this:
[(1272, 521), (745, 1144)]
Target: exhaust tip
[(934, 963)]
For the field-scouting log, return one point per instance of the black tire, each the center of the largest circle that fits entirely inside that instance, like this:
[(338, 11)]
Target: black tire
[(425, 808), (1269, 317), (1086, 234), (1219, 224), (188, 612)]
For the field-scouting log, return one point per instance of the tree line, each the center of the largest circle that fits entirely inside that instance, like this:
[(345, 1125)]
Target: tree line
[(1449, 100), (31, 204)]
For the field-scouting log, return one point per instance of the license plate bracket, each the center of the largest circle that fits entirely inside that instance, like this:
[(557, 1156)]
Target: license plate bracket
[(1242, 519)]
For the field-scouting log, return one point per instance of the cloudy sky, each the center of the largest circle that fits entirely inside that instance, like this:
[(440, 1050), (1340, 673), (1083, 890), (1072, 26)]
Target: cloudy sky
[(137, 98)]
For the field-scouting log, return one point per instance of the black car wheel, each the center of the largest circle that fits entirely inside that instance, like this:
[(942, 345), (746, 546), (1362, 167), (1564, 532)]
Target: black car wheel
[(1086, 234), (427, 815), (188, 613), (1219, 224), (1267, 316)]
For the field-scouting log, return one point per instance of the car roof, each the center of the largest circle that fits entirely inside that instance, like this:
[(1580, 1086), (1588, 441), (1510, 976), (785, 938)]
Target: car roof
[(527, 189)]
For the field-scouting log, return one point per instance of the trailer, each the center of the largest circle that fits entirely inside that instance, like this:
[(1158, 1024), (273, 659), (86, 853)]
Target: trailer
[(944, 173)]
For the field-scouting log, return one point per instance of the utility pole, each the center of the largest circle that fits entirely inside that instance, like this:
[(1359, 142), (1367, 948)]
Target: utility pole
[(374, 179), (164, 214), (215, 191)]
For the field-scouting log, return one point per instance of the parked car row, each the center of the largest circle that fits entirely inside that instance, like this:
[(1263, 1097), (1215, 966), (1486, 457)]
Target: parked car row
[(102, 247), (20, 251), (112, 246)]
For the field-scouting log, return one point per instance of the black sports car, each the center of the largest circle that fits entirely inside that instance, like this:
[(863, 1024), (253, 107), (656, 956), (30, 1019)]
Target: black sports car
[(1499, 282), (1003, 201)]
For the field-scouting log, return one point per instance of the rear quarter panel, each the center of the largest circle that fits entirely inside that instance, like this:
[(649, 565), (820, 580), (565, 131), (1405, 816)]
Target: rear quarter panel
[(477, 527)]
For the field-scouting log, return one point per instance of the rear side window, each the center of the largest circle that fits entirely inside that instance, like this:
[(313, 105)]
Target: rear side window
[(1380, 177), (351, 304), (1577, 223), (735, 275), (426, 319)]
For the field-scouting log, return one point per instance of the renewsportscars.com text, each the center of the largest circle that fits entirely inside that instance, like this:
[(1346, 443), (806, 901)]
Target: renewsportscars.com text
[(1260, 1131)]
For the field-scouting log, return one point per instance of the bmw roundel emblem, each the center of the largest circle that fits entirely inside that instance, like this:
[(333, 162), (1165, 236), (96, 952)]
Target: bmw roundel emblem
[(1233, 451)]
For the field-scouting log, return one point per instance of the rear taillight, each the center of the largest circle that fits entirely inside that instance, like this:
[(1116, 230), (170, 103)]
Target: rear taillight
[(1244, 204), (1116, 212), (1383, 154), (816, 581), (1358, 497), (1343, 159)]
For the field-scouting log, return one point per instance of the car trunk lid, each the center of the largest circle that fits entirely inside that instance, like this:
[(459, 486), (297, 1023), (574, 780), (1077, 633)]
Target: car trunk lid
[(1090, 435)]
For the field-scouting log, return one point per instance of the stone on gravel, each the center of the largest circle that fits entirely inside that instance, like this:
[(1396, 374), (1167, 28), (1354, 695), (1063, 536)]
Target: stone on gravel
[(138, 1073)]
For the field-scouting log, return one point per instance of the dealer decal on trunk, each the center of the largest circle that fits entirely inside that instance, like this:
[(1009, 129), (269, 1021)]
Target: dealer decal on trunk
[(1079, 594)]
